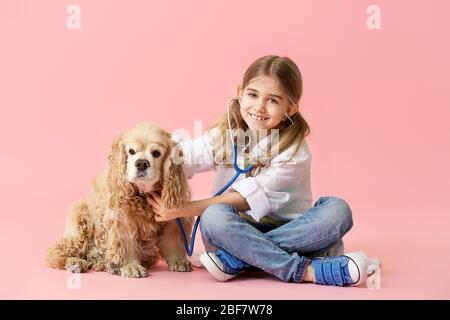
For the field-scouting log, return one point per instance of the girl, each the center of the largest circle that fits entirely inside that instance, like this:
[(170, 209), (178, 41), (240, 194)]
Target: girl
[(265, 219)]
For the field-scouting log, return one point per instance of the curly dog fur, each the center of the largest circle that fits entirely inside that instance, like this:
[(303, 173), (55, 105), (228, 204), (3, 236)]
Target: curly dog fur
[(113, 228)]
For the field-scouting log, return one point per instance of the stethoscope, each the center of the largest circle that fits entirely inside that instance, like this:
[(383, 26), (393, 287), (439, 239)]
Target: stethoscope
[(239, 171)]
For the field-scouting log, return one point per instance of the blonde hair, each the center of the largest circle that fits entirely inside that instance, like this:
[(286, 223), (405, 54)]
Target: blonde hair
[(288, 75)]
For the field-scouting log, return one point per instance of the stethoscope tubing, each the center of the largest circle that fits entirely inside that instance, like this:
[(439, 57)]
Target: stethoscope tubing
[(239, 171)]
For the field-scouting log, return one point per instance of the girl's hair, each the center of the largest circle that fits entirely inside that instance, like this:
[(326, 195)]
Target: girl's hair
[(288, 75)]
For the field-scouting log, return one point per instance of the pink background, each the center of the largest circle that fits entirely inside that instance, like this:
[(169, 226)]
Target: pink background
[(377, 102)]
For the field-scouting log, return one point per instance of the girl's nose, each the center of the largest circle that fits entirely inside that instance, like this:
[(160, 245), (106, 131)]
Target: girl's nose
[(261, 105)]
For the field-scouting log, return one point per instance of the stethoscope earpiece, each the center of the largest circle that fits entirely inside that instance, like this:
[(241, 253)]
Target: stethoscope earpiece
[(287, 116)]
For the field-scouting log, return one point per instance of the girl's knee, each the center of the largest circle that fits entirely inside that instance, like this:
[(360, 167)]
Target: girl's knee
[(214, 218), (342, 213)]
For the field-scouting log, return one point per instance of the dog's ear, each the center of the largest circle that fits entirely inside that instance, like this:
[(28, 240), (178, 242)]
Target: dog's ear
[(117, 185), (175, 191)]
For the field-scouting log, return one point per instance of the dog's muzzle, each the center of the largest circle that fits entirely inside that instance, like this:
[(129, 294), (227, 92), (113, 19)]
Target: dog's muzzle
[(142, 164)]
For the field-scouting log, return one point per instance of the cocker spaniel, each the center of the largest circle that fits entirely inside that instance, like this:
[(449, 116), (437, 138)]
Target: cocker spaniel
[(113, 228)]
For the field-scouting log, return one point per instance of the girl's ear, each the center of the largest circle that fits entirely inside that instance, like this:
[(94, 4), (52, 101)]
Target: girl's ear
[(239, 90), (292, 109)]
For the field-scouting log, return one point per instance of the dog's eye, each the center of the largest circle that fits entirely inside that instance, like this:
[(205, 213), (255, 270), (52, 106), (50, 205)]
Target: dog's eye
[(156, 153), (131, 151)]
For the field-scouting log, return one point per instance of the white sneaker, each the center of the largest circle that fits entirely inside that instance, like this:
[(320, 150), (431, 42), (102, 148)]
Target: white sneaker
[(360, 262), (195, 260), (350, 269), (357, 266), (215, 266)]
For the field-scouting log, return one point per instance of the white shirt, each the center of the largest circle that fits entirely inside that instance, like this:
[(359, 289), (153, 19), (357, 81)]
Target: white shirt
[(281, 191)]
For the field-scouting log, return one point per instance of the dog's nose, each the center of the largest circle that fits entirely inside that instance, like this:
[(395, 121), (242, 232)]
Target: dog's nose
[(142, 164)]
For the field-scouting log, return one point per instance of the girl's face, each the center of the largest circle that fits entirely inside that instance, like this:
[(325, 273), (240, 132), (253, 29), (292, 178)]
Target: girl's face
[(264, 103)]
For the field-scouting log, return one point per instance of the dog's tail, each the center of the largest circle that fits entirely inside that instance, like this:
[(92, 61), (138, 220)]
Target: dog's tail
[(75, 243)]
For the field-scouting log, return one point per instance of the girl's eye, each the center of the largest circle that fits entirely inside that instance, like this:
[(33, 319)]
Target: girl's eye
[(156, 153), (251, 94), (274, 101), (131, 151)]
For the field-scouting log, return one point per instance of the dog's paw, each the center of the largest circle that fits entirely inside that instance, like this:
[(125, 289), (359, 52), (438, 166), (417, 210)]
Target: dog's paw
[(113, 268), (133, 270), (98, 266), (76, 265), (180, 265)]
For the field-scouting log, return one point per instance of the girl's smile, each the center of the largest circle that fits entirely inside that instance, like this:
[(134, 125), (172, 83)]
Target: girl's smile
[(257, 117), (264, 103)]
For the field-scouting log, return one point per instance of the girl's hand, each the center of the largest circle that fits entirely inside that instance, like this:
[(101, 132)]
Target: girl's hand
[(161, 213)]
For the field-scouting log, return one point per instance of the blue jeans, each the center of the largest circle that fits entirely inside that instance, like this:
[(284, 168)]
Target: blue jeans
[(283, 251)]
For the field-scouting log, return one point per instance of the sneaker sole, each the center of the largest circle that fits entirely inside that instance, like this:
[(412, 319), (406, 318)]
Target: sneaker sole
[(214, 270)]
